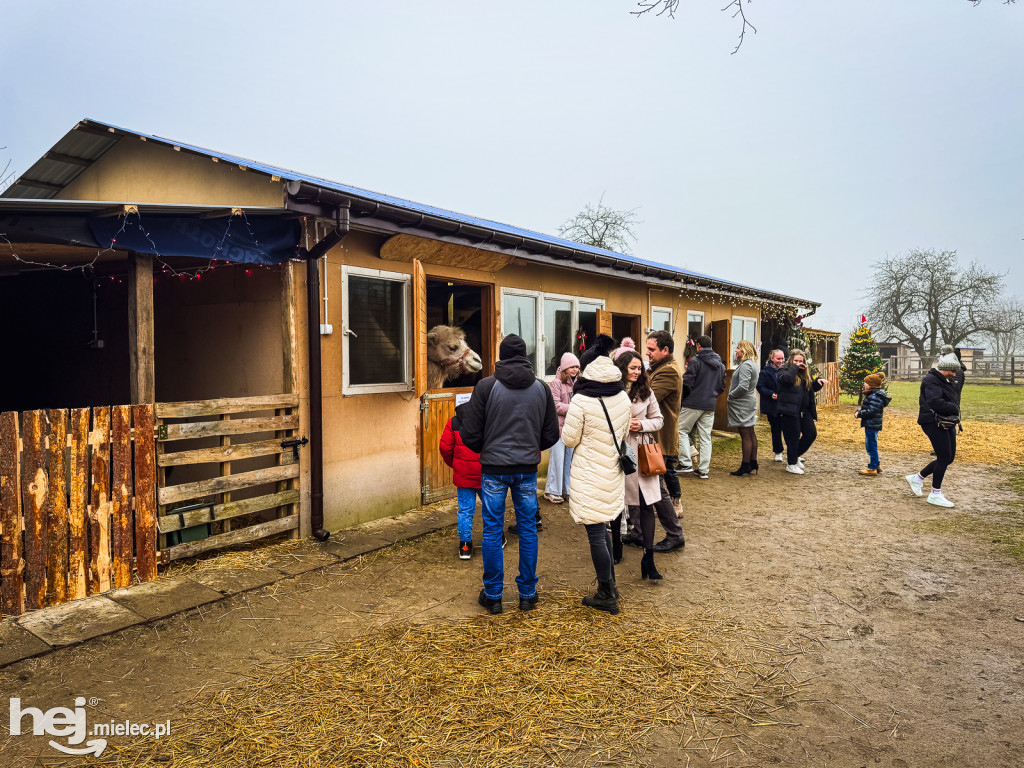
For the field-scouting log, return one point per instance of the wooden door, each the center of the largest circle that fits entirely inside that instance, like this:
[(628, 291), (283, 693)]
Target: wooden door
[(437, 408), (721, 334)]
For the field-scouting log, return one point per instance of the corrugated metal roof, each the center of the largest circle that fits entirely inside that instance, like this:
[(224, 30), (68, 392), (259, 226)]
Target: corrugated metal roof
[(90, 139)]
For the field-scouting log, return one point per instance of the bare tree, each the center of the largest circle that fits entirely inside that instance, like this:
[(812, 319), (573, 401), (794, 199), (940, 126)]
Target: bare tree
[(738, 7), (927, 299), (6, 173), (602, 227), (1007, 335)]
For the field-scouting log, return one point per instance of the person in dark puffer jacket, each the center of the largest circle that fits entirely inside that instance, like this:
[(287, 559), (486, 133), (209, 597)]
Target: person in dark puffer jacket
[(466, 471), (870, 415), (797, 409), (939, 417)]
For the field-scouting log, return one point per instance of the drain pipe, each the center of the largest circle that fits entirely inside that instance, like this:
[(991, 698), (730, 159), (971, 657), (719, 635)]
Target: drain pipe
[(316, 426)]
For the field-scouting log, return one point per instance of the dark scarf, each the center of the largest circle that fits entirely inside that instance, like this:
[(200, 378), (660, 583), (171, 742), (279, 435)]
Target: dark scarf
[(593, 388)]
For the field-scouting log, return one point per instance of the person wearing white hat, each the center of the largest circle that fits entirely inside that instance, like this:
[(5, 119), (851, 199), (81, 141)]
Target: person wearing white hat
[(939, 418)]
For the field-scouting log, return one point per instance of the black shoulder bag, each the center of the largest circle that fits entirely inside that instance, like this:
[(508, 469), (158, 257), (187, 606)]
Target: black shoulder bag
[(627, 456)]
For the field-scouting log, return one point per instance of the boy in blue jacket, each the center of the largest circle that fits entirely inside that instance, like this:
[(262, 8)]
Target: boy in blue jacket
[(870, 415)]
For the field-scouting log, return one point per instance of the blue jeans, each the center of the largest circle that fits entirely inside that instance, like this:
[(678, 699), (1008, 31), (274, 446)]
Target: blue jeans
[(524, 499), (871, 444), (559, 461), (467, 508)]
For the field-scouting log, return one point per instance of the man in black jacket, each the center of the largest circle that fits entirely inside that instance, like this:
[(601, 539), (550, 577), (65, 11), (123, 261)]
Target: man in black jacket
[(703, 382), (768, 388), (509, 420)]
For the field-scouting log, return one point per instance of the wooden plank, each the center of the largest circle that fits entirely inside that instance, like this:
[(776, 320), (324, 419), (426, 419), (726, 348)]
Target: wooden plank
[(12, 584), (192, 408), (419, 326), (240, 536), (604, 322), (145, 493), (141, 370), (219, 454), (57, 511), (34, 429), (232, 427), (289, 327), (226, 511), (186, 491), (78, 494), (99, 503), (121, 527)]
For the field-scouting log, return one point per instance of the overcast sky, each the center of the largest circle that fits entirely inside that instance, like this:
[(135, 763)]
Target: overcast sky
[(841, 132)]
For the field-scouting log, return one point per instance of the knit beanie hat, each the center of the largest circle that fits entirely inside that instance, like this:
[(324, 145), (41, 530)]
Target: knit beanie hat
[(626, 345), (511, 346), (602, 347), (948, 360), (569, 360), (874, 380)]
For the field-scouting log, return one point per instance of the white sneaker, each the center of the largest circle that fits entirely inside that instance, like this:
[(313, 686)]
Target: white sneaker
[(915, 484), (939, 500), (779, 457), (553, 498), (796, 469), (801, 461)]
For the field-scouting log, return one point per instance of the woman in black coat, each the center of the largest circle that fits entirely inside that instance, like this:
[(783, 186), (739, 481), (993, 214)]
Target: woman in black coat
[(797, 409), (939, 417)]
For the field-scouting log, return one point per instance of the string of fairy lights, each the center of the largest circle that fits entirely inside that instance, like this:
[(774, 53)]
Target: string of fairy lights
[(131, 219)]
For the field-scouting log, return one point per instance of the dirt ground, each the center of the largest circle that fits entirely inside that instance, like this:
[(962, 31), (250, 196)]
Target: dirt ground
[(910, 641)]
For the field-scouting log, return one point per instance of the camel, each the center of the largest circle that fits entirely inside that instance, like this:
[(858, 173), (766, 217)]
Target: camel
[(448, 356)]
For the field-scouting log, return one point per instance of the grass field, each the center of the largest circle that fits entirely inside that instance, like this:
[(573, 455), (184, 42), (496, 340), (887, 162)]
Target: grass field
[(979, 401)]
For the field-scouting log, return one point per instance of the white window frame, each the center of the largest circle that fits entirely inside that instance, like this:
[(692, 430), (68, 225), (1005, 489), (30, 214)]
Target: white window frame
[(732, 344), (540, 296), (689, 319), (406, 385), (671, 318)]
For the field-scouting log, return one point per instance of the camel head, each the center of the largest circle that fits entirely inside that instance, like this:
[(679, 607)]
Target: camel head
[(448, 355)]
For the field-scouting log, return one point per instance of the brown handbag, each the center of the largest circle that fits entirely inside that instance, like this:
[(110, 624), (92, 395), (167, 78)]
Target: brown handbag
[(648, 454)]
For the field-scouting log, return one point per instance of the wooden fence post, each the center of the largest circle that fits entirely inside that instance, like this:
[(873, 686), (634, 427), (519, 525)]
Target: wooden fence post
[(34, 430), (99, 506), (12, 594), (57, 511), (121, 528), (78, 492), (145, 492)]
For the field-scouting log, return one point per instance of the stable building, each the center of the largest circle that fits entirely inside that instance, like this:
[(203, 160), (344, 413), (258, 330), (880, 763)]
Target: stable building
[(136, 269)]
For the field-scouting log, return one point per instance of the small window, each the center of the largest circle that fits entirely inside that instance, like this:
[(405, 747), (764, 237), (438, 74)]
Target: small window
[(742, 328), (550, 324), (661, 319), (694, 325), (558, 333), (376, 331), (519, 316)]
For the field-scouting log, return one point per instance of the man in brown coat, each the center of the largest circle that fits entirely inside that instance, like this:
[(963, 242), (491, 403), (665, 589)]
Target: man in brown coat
[(666, 381)]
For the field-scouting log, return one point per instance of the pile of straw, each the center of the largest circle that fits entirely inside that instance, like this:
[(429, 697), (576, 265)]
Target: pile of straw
[(562, 685), (981, 442)]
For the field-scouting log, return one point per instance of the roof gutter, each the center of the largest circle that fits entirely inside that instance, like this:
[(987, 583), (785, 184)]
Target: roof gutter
[(316, 421)]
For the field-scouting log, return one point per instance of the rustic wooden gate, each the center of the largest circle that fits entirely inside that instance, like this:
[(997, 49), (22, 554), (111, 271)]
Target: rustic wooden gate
[(235, 467), (436, 408), (77, 503)]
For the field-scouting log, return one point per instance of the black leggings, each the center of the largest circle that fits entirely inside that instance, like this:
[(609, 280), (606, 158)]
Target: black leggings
[(800, 434), (600, 550), (748, 439), (944, 444)]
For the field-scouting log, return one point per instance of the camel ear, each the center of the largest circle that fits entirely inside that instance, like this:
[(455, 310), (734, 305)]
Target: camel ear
[(432, 337)]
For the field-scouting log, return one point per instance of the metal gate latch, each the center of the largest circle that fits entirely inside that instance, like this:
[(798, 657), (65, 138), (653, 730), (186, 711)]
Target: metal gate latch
[(295, 443)]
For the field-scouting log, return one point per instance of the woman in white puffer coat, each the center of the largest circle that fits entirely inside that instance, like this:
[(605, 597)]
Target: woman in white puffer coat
[(599, 486)]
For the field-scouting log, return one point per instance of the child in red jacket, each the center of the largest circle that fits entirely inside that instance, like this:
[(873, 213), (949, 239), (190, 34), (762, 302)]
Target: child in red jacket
[(466, 467)]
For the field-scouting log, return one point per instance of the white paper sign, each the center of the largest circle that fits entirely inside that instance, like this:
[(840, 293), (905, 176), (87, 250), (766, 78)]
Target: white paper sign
[(463, 398)]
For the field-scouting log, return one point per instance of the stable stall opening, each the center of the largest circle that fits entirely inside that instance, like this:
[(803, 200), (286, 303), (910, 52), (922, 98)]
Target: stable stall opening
[(462, 306), (66, 339)]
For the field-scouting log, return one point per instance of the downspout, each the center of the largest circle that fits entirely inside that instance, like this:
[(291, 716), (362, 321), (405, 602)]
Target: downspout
[(316, 426)]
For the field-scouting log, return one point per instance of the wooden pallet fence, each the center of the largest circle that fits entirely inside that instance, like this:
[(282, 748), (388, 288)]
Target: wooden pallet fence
[(77, 504), (829, 394), (244, 429)]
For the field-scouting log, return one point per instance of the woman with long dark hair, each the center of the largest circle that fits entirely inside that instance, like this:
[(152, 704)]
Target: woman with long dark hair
[(645, 420), (797, 409)]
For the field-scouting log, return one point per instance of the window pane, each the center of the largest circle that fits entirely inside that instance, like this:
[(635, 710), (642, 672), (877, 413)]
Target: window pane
[(519, 316), (586, 327), (750, 330), (376, 316), (661, 320), (558, 332), (694, 324)]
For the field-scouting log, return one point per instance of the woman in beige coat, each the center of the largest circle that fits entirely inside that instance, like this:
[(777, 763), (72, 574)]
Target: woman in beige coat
[(598, 484), (645, 419)]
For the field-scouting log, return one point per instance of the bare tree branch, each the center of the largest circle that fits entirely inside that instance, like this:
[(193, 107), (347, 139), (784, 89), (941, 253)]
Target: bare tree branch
[(602, 227)]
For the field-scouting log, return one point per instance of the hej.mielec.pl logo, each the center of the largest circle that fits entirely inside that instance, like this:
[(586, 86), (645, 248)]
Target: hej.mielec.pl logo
[(72, 725)]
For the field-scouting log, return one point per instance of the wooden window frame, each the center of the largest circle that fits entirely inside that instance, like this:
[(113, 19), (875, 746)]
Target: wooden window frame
[(406, 384)]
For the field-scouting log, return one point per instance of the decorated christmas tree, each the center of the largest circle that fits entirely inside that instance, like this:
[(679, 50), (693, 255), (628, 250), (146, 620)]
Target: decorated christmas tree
[(861, 359)]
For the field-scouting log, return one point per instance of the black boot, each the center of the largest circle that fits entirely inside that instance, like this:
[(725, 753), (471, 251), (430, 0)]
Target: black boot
[(604, 600), (743, 470), (753, 466), (647, 569)]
